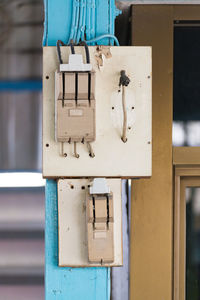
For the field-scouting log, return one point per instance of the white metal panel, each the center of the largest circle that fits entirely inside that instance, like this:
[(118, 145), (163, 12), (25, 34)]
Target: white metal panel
[(72, 222), (113, 158)]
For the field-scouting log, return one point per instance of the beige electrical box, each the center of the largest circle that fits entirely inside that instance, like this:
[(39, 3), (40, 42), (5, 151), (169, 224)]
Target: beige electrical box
[(75, 122), (89, 223), (75, 107), (83, 127), (100, 228)]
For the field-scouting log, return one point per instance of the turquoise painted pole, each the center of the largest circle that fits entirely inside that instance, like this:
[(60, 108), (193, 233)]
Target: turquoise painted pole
[(73, 283), (68, 283)]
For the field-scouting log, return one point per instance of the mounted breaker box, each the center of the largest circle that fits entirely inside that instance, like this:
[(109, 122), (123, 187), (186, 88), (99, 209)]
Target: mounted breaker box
[(90, 222), (97, 115)]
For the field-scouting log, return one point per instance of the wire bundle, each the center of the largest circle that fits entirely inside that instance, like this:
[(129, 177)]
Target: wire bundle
[(83, 23)]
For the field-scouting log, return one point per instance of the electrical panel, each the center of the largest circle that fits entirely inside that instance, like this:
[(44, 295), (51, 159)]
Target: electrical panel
[(97, 114), (100, 221), (90, 222)]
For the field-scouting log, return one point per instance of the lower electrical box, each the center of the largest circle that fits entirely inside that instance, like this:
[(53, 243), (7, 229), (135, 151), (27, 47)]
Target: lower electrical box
[(100, 222), (90, 222)]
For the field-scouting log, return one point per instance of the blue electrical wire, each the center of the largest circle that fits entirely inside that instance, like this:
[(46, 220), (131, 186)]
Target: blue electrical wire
[(88, 14), (73, 21), (77, 20), (101, 37), (84, 20), (80, 23), (93, 20), (81, 20)]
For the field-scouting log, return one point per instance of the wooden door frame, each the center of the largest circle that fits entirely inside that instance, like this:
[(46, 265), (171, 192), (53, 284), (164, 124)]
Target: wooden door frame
[(186, 161), (152, 232)]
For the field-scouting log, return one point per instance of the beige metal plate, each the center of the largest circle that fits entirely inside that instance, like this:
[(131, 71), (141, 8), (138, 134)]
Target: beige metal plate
[(73, 251), (113, 158)]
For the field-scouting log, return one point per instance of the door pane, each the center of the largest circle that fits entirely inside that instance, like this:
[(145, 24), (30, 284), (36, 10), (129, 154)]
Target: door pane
[(193, 243), (186, 87)]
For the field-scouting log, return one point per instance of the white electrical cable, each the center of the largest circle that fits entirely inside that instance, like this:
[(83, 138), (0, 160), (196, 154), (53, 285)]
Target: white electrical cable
[(124, 133)]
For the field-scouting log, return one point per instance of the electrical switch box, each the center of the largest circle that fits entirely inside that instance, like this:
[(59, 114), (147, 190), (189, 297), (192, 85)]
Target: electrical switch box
[(75, 122), (97, 116), (75, 107), (90, 222), (100, 223)]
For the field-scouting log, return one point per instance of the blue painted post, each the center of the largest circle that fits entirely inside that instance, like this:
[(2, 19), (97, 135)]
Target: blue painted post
[(68, 283), (72, 283), (100, 16)]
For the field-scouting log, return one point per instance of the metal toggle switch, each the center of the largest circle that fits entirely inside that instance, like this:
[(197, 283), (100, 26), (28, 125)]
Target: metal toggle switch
[(100, 222)]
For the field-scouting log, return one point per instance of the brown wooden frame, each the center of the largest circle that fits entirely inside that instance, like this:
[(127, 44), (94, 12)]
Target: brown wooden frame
[(186, 162), (152, 253)]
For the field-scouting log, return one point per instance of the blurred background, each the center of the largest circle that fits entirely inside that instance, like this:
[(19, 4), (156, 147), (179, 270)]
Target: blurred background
[(22, 189), (21, 186)]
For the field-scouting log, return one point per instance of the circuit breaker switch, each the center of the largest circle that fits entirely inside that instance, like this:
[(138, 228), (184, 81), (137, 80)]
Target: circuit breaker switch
[(65, 86), (100, 223), (67, 82), (75, 108), (86, 84), (75, 121)]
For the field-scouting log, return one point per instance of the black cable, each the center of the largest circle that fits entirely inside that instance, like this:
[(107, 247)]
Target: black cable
[(124, 80), (71, 44), (89, 86), (83, 43), (59, 42), (76, 87)]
